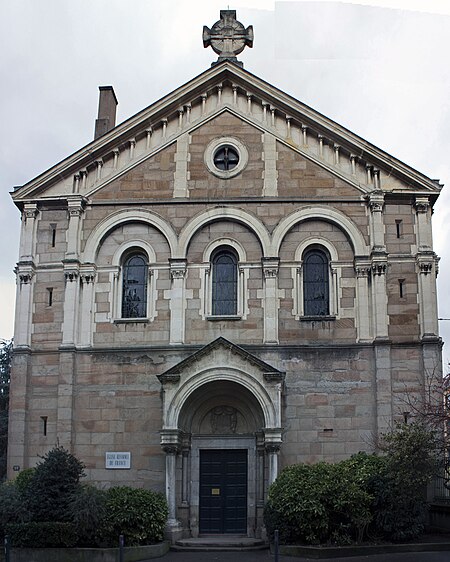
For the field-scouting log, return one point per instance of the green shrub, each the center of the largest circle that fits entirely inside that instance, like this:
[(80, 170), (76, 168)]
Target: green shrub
[(23, 479), (140, 515), (87, 511), (400, 489), (42, 534), (12, 507), (52, 485), (321, 503)]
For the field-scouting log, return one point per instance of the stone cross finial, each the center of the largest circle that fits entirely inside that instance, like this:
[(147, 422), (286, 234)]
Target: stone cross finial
[(228, 37)]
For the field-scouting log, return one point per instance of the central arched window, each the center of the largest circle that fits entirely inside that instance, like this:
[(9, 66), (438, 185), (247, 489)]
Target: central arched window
[(316, 283), (134, 286), (224, 282)]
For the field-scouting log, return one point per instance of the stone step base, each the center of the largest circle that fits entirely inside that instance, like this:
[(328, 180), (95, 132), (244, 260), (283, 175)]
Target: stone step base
[(219, 543)]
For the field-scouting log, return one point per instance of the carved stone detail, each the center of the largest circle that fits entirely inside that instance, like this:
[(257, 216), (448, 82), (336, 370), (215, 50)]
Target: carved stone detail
[(223, 419), (228, 37)]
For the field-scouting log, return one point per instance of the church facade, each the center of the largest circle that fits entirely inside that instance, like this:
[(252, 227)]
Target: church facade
[(224, 284)]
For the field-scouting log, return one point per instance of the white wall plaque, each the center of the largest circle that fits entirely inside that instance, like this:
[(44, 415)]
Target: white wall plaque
[(118, 460)]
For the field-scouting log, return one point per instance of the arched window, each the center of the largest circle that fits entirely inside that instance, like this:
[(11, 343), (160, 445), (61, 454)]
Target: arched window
[(224, 283), (134, 286), (316, 283)]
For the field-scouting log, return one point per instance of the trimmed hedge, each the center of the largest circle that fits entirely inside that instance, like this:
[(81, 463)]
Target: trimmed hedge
[(140, 515), (45, 534), (322, 503)]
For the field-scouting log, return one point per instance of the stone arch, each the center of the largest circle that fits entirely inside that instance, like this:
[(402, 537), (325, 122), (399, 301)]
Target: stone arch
[(265, 399), (356, 239), (226, 213), (121, 217)]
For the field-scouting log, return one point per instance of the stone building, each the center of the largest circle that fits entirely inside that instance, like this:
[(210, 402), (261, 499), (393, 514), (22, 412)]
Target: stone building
[(225, 283)]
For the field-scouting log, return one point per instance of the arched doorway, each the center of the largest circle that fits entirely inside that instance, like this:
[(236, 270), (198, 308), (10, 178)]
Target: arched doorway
[(222, 425), (221, 436)]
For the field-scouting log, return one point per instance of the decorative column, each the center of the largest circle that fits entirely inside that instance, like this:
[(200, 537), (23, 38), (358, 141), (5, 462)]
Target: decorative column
[(376, 205), (185, 451), (24, 294), (270, 299), (71, 265), (27, 239), (272, 445), (363, 270), (379, 266), (170, 443), (87, 278), (25, 272), (427, 270), (177, 299)]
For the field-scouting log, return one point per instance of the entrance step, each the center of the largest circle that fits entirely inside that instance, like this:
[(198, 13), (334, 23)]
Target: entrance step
[(219, 543)]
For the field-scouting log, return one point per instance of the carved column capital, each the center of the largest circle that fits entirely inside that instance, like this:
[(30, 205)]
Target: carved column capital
[(376, 201), (30, 211), (270, 267), (177, 268), (422, 204)]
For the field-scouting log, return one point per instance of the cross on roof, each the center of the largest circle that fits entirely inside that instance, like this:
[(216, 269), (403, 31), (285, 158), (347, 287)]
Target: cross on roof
[(228, 37)]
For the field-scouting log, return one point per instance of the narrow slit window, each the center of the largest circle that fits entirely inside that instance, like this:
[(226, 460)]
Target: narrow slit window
[(53, 235), (49, 296), (399, 228), (401, 288), (44, 425)]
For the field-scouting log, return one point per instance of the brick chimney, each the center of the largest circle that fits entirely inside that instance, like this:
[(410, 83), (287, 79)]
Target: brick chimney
[(107, 105)]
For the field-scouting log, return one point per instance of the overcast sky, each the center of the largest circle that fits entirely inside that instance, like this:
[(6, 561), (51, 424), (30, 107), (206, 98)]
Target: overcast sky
[(379, 67)]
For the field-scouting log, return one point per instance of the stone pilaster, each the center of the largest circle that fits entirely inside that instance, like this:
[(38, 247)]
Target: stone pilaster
[(383, 385), (270, 299), (28, 234), (25, 275), (426, 267), (272, 445), (363, 309), (87, 280), (270, 188), (379, 297), (376, 205), (423, 224), (181, 174), (177, 300), (64, 421)]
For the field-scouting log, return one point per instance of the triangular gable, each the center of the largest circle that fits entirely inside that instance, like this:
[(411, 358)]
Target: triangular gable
[(226, 87), (269, 372)]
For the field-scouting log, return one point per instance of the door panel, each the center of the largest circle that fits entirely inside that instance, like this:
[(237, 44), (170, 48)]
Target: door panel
[(223, 491)]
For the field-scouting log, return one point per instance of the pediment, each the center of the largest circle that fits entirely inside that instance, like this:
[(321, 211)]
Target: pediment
[(226, 88), (231, 355)]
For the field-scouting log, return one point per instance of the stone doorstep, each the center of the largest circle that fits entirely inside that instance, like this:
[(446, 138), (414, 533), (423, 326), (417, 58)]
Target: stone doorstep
[(219, 543)]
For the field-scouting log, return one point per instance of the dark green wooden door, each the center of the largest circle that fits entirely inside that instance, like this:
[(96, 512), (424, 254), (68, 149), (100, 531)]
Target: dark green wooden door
[(223, 491)]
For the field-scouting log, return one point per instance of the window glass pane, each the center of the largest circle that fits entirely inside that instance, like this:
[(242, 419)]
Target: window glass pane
[(134, 291), (224, 284), (316, 284)]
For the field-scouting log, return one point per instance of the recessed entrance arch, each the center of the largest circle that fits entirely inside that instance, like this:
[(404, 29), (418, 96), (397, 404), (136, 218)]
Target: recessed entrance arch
[(220, 404)]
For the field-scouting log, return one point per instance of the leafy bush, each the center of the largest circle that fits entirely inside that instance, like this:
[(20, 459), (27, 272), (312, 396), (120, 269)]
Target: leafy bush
[(87, 511), (23, 479), (140, 515), (400, 489), (42, 534), (13, 509), (321, 503), (52, 485)]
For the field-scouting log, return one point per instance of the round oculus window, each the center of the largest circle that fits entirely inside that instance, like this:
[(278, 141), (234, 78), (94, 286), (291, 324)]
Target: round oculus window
[(225, 157)]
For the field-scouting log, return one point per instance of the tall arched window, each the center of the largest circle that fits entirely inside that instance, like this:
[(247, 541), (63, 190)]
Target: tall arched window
[(316, 283), (134, 286), (224, 282)]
